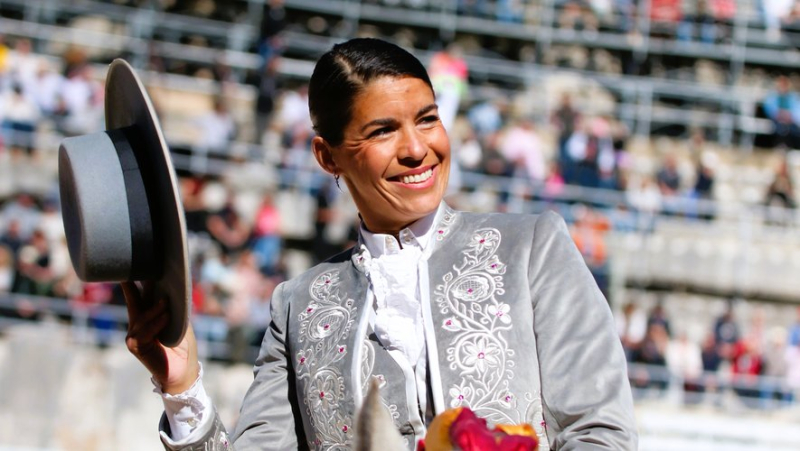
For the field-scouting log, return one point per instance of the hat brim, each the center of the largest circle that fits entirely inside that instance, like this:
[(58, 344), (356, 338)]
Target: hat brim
[(127, 104)]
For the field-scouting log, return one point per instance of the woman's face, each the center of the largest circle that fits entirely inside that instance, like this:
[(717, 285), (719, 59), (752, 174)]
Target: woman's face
[(395, 157)]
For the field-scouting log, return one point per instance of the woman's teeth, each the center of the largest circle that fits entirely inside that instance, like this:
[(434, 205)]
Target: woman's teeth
[(418, 178)]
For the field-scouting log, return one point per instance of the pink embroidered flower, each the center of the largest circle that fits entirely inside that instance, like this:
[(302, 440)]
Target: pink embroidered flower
[(500, 311)]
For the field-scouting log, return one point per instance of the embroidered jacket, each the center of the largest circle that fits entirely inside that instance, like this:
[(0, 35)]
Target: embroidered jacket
[(516, 329)]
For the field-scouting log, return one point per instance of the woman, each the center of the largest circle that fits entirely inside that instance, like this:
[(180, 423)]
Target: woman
[(443, 308)]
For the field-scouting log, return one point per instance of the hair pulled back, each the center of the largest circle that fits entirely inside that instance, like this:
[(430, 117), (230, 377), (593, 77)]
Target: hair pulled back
[(344, 71)]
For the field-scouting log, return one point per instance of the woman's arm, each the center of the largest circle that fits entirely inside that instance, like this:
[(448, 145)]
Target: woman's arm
[(585, 390), (270, 417)]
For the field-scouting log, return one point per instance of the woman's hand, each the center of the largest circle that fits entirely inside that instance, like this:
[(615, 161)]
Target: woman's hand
[(176, 369)]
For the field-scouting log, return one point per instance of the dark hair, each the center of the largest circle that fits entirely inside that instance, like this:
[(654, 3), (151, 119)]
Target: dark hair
[(344, 71)]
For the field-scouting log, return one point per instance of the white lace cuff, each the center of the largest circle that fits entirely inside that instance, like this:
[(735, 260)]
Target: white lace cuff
[(186, 411)]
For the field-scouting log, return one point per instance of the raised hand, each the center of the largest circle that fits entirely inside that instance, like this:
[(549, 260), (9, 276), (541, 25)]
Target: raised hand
[(176, 368)]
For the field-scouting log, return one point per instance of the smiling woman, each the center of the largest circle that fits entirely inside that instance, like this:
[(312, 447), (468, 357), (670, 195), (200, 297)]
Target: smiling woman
[(439, 308)]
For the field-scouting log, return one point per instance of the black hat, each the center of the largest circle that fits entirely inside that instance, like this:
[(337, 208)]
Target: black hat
[(122, 213)]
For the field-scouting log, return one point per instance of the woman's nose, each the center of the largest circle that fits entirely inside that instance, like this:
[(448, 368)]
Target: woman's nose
[(412, 146)]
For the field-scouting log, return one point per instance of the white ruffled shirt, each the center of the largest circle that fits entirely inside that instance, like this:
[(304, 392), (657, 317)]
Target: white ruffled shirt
[(392, 268)]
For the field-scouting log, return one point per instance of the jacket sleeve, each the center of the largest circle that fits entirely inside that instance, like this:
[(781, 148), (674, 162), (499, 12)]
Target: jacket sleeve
[(210, 436), (270, 416), (585, 390)]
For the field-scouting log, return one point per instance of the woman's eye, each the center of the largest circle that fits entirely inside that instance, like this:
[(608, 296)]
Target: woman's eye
[(430, 118), (380, 132)]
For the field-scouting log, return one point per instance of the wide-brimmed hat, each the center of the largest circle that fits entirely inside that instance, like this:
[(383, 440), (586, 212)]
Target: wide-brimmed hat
[(120, 203)]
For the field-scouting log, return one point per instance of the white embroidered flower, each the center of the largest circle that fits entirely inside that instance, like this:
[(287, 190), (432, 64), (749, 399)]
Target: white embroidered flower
[(507, 399), (473, 288), (481, 355), (322, 393), (500, 311), (459, 395), (484, 240), (495, 266), (451, 324)]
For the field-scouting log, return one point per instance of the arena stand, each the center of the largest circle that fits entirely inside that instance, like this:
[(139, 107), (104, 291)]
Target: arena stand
[(671, 259)]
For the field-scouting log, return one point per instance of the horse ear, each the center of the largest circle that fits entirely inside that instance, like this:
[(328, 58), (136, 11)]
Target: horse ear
[(375, 430)]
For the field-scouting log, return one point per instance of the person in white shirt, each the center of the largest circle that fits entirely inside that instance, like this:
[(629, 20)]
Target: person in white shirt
[(437, 307)]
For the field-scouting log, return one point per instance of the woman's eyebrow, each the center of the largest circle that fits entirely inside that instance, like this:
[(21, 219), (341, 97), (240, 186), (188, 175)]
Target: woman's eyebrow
[(427, 109), (383, 122)]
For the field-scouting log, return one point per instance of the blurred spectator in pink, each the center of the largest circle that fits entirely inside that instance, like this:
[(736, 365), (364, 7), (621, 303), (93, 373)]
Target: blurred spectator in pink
[(521, 146), (665, 11), (448, 72), (245, 287), (267, 236), (782, 107)]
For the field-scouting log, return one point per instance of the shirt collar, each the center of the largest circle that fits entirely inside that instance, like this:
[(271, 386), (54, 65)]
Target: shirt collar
[(417, 234)]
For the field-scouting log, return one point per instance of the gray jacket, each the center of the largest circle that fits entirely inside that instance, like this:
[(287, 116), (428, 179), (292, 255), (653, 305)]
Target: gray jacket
[(516, 329)]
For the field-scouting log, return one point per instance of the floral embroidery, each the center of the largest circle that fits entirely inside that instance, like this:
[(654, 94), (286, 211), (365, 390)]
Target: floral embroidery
[(367, 367), (324, 327), (478, 322), (443, 228)]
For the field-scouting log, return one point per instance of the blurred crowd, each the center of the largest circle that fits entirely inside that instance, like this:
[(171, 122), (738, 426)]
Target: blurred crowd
[(757, 362), (242, 244)]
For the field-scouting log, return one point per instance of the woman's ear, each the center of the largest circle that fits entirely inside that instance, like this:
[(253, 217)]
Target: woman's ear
[(324, 155)]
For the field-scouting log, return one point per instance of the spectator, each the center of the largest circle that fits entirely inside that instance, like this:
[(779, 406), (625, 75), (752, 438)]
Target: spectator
[(21, 214), (591, 153), (448, 72), (659, 316), (684, 359), (726, 333), (19, 118), (747, 365), (774, 12), (6, 269), (487, 117), (46, 89), (266, 236), (652, 353), (81, 109), (794, 331), (23, 65), (711, 363), (227, 228), (781, 191), (565, 119), (34, 265), (632, 327), (669, 183), (265, 101), (216, 131), (521, 146), (782, 107), (698, 16), (773, 385)]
